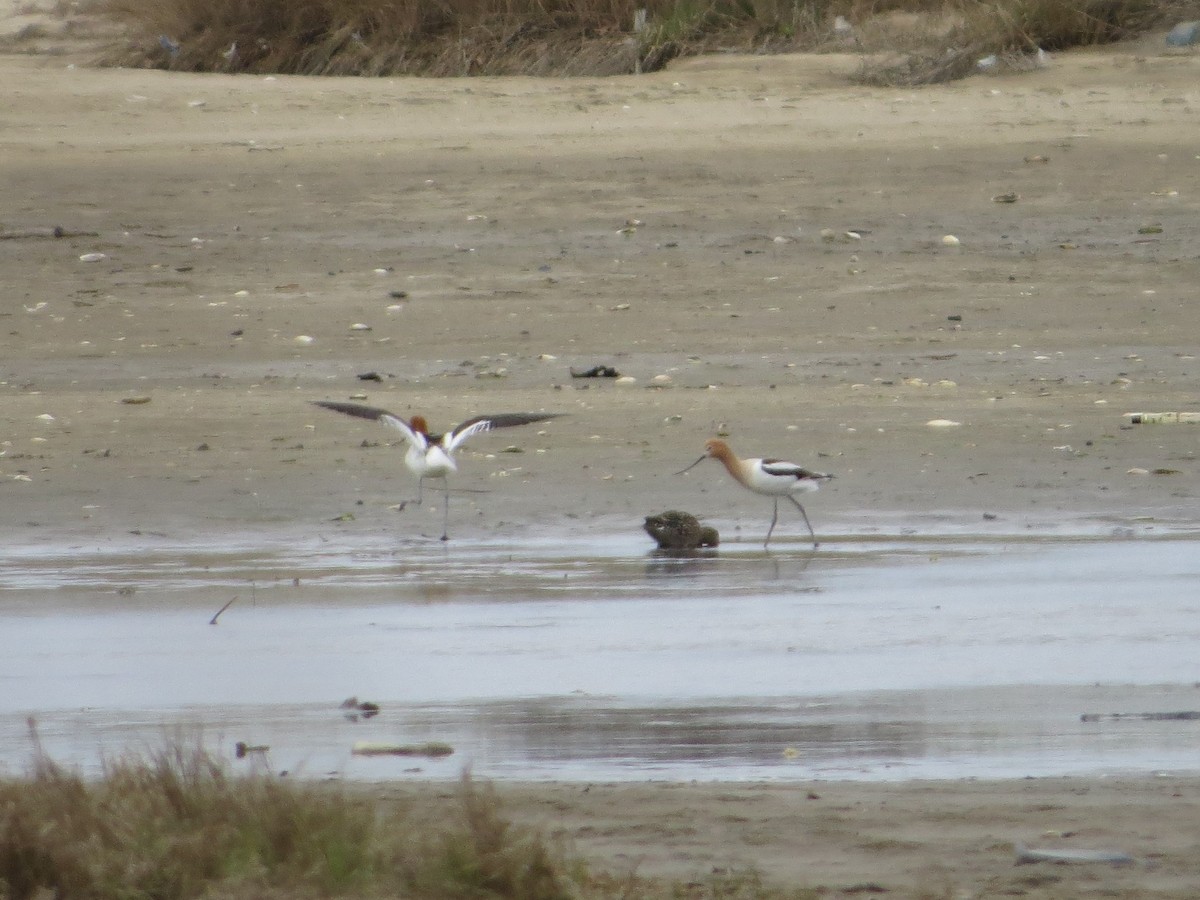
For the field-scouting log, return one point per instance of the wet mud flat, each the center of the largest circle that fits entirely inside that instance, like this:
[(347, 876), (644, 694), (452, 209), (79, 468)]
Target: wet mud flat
[(878, 658)]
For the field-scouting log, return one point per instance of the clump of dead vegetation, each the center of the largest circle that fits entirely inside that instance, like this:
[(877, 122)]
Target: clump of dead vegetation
[(176, 825), (955, 39), (903, 41)]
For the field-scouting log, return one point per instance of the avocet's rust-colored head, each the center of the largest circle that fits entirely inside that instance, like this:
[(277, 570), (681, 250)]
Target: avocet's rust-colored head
[(419, 425), (714, 448), (717, 448)]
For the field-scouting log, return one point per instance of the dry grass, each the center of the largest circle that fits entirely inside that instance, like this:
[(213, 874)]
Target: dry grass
[(597, 37), (949, 44), (175, 825)]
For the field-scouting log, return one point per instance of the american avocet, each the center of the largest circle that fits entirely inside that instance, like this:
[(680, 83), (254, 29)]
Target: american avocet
[(431, 455), (771, 477)]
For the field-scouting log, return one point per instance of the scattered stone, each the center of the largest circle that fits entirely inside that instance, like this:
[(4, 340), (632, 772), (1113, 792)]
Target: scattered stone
[(1184, 34), (356, 709)]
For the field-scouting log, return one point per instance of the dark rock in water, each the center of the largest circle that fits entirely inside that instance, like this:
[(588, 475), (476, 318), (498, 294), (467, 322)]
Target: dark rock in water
[(354, 708), (675, 530)]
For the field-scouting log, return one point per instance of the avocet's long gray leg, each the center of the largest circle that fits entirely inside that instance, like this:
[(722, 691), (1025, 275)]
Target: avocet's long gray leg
[(774, 519), (811, 533)]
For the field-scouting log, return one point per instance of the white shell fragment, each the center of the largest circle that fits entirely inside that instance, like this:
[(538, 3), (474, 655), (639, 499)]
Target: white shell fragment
[(305, 339), (943, 423), (950, 241), (93, 257)]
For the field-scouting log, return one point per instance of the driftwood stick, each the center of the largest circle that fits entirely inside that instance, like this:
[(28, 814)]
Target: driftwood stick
[(38, 233), (213, 620)]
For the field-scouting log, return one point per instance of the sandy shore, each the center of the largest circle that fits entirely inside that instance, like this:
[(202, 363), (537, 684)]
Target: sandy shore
[(931, 839), (237, 246), (473, 229)]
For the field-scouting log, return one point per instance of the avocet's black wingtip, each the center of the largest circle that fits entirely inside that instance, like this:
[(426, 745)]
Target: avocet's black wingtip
[(509, 420), (352, 409)]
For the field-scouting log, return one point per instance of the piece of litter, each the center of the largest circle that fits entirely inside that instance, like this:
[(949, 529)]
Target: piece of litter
[(1164, 418), (1028, 855)]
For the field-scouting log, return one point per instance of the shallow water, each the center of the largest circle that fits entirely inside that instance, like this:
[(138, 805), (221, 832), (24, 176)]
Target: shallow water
[(875, 657)]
